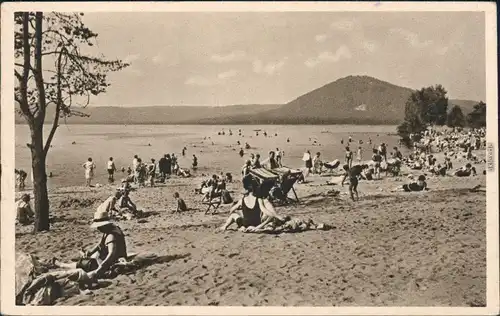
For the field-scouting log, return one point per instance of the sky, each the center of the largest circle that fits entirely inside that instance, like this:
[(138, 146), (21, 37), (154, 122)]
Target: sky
[(257, 57)]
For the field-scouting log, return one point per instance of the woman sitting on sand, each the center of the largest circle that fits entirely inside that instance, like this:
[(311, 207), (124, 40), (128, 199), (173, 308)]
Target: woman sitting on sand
[(25, 215), (256, 210), (110, 249), (466, 171)]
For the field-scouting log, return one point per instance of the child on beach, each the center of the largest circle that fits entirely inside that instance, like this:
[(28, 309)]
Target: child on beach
[(195, 162), (181, 205)]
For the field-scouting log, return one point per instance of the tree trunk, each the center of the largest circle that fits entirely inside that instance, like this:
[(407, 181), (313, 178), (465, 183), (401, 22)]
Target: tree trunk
[(41, 198)]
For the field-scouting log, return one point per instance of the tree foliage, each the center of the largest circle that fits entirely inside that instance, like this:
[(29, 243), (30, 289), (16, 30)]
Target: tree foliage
[(54, 67), (455, 118), (427, 106), (477, 118)]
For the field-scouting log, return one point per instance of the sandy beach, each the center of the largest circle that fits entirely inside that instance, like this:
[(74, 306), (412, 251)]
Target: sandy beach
[(388, 249)]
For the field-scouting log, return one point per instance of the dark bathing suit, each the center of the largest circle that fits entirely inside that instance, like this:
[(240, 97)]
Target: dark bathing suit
[(121, 251), (251, 216)]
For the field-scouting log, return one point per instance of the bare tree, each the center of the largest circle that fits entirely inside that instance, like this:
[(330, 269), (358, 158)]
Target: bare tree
[(54, 67)]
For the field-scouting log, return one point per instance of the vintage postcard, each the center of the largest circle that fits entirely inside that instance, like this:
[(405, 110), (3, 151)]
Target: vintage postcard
[(246, 158)]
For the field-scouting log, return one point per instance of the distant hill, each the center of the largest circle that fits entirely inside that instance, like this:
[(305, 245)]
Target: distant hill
[(157, 114), (349, 100)]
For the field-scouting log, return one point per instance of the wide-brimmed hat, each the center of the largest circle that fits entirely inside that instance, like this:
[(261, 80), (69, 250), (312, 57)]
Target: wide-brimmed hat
[(101, 219)]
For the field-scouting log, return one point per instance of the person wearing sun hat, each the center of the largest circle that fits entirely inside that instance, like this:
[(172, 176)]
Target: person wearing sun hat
[(99, 260), (110, 248)]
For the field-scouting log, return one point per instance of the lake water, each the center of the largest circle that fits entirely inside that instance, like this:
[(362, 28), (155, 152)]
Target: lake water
[(123, 142)]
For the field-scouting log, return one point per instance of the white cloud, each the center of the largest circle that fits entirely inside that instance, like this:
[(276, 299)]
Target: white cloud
[(131, 58), (158, 59), (205, 81), (200, 81), (411, 37), (342, 52), (369, 46), (320, 38), (343, 25), (227, 74), (268, 68), (442, 50), (233, 56)]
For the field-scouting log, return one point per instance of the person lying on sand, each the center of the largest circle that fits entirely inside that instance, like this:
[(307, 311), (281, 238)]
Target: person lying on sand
[(466, 171), (419, 185), (104, 255), (353, 174), (181, 205), (25, 214), (256, 210), (288, 225)]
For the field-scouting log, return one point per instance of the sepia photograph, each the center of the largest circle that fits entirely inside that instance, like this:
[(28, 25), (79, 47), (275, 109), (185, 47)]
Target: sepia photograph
[(249, 155)]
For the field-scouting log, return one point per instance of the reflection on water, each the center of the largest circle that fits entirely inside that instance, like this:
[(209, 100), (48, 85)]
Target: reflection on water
[(152, 141)]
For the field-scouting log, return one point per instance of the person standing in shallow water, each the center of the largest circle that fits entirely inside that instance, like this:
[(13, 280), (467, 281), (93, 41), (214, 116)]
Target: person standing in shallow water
[(89, 166), (111, 170), (195, 162)]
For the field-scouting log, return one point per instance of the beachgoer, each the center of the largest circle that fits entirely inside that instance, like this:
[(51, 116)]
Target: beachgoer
[(162, 166), (183, 151), (242, 152), (141, 173), (317, 164), (256, 210), (288, 140), (89, 166), (273, 164), (466, 171), (350, 139), (152, 172), (109, 205), (278, 157), (111, 170), (359, 154), (25, 215), (377, 160), (246, 168), (342, 141), (420, 185), (348, 156), (21, 176), (181, 205), (256, 163), (397, 154), (353, 173), (111, 248), (383, 151), (135, 161), (308, 161), (125, 205), (195, 162), (168, 165), (369, 141)]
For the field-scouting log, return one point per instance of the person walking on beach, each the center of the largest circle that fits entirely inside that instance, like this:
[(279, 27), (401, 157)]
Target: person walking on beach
[(111, 170), (135, 161), (359, 155), (89, 166)]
